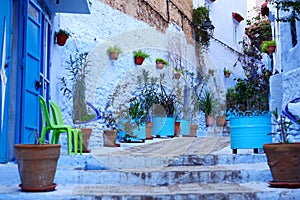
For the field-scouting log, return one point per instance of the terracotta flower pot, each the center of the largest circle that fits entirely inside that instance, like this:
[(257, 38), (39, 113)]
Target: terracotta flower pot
[(177, 129), (86, 134), (109, 138), (177, 76), (193, 130), (113, 55), (210, 120), (37, 166), (139, 60), (284, 163), (221, 120), (149, 126), (271, 49), (61, 39), (159, 65)]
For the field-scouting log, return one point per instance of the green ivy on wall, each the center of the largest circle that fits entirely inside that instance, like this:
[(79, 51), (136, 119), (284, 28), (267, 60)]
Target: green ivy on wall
[(200, 15)]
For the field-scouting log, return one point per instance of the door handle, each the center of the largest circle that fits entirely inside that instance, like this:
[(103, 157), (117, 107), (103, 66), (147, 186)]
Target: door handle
[(38, 84)]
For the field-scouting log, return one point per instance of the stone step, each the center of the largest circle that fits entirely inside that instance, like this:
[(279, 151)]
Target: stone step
[(211, 191), (238, 173)]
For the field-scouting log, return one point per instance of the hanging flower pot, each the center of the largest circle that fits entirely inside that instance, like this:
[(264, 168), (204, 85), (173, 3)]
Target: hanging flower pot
[(227, 73), (271, 49), (160, 63), (61, 37), (177, 75), (139, 60), (113, 52), (139, 57)]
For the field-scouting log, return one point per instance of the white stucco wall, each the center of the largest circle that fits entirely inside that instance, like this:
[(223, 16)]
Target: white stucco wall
[(285, 86), (104, 27)]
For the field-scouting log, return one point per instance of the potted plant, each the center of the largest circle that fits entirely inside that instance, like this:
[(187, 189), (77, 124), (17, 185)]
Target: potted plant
[(164, 111), (178, 72), (73, 87), (160, 63), (62, 36), (206, 105), (258, 29), (113, 52), (248, 103), (139, 57), (110, 126), (282, 156), (200, 16), (147, 92), (37, 165), (226, 72), (268, 46)]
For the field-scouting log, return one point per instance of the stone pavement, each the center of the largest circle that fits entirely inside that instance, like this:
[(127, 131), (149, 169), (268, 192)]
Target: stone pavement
[(172, 168)]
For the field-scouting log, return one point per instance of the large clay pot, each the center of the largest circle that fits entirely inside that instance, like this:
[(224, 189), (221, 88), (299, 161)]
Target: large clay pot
[(37, 165), (284, 163)]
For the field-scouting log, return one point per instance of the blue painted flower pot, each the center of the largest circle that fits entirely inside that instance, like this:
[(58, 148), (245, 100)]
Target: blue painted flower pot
[(163, 126), (140, 132), (250, 132), (185, 126)]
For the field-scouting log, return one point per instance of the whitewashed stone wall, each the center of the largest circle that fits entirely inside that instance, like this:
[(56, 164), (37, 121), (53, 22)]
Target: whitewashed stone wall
[(104, 27), (285, 86)]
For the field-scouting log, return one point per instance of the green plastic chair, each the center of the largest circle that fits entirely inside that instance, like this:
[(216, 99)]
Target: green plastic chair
[(47, 125), (58, 120)]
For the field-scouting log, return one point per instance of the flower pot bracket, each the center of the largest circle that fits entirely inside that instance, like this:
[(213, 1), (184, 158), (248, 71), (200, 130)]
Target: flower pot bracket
[(237, 17)]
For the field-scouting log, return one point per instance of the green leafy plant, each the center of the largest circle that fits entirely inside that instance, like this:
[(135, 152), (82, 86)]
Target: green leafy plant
[(73, 86), (200, 15), (114, 48), (65, 32), (251, 92), (207, 103), (140, 53), (147, 92), (258, 30), (226, 70), (282, 125), (161, 60), (265, 44)]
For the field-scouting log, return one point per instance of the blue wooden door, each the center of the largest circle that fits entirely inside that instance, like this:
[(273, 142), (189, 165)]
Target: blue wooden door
[(5, 13), (32, 61)]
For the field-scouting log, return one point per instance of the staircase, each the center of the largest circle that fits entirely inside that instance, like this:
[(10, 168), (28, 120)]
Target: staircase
[(174, 168)]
